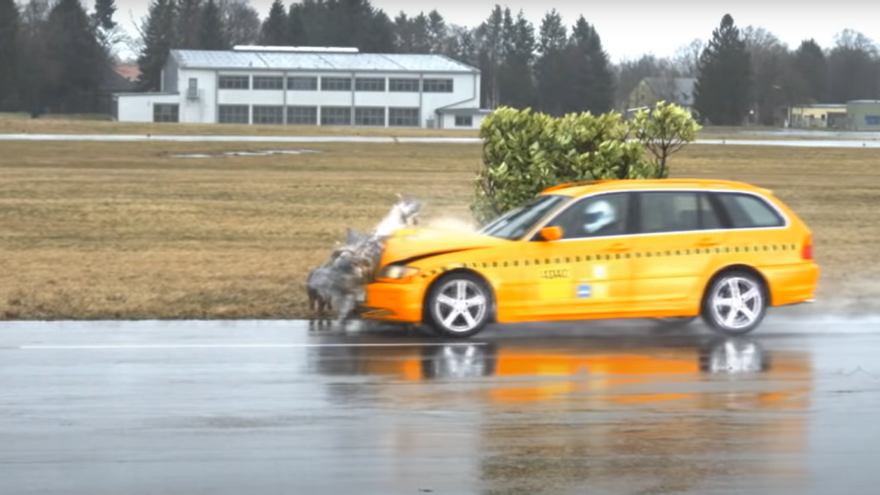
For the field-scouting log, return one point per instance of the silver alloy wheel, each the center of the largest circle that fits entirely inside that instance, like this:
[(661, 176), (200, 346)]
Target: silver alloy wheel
[(737, 303), (460, 305)]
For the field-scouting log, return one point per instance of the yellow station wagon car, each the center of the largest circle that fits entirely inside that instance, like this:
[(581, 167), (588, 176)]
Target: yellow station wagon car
[(666, 249)]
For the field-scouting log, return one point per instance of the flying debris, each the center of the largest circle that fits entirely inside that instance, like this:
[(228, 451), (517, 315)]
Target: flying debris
[(339, 282)]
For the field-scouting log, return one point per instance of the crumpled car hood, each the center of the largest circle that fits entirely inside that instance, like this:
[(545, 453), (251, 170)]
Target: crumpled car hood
[(407, 244)]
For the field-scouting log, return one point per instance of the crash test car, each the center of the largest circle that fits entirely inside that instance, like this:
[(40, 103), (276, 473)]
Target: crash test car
[(669, 250)]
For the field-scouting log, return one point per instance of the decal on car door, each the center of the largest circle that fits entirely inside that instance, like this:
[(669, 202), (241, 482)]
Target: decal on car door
[(555, 283)]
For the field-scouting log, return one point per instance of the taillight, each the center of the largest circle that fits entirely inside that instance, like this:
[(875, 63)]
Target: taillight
[(807, 250)]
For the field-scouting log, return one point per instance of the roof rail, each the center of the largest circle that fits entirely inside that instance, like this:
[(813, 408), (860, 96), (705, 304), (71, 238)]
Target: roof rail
[(566, 185)]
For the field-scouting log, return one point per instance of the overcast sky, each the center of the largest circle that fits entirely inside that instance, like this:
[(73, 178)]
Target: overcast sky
[(629, 29)]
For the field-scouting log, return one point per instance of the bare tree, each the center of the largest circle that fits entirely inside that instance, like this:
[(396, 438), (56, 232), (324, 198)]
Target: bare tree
[(241, 21), (771, 65), (686, 60)]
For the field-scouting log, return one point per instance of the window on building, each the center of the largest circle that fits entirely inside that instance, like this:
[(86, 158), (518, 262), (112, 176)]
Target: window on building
[(749, 212), (233, 114), (369, 116), (268, 82), (268, 115), (302, 83), (464, 121), (403, 117), (234, 82), (302, 115), (437, 85), (403, 85), (369, 84), (166, 112), (872, 119), (335, 84), (335, 115)]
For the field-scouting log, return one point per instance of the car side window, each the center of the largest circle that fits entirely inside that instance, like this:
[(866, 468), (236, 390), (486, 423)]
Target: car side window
[(708, 215), (596, 216), (670, 211), (748, 212)]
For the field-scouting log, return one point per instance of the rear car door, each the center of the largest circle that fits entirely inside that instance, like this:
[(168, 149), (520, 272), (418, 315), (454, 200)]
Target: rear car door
[(589, 270), (680, 240)]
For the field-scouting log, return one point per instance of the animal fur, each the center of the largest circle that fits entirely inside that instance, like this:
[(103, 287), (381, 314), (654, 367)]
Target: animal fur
[(336, 284)]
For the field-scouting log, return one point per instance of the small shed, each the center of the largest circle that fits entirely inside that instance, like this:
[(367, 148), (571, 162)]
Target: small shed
[(863, 115)]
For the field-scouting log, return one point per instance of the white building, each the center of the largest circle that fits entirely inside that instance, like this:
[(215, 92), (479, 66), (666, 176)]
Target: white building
[(309, 86)]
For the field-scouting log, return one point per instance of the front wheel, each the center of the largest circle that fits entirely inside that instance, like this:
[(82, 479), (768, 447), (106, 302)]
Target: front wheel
[(735, 303), (459, 305)]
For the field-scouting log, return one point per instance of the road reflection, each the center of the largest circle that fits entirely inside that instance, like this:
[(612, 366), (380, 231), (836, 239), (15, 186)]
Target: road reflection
[(654, 415)]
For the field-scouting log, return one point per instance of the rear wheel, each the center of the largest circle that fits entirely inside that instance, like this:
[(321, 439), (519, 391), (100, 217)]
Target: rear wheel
[(459, 305), (735, 303)]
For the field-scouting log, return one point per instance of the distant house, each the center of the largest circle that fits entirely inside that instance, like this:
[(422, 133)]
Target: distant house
[(863, 115), (316, 86), (820, 115), (678, 90), (116, 79)]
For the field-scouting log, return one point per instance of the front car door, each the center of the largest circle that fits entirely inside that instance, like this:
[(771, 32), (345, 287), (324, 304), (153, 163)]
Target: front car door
[(588, 271), (680, 237)]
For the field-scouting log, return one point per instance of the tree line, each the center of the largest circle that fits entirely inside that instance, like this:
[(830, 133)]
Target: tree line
[(553, 67), (750, 74)]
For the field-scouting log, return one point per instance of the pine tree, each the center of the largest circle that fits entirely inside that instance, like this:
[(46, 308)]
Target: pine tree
[(74, 58), (274, 29), (187, 22), (490, 39), (519, 90), (579, 69), (811, 67), (211, 32), (721, 93), (602, 98), (379, 37), (296, 29), (104, 10), (159, 37), (550, 68), (436, 32), (10, 48)]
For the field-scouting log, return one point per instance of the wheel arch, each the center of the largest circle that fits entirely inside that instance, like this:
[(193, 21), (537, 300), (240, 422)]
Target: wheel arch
[(493, 306), (739, 267)]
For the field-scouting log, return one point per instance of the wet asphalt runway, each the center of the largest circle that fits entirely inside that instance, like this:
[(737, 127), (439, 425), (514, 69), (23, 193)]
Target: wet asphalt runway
[(278, 407)]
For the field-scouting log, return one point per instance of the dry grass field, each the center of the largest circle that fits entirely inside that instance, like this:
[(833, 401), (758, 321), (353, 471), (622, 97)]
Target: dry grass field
[(11, 124), (125, 230), (100, 124)]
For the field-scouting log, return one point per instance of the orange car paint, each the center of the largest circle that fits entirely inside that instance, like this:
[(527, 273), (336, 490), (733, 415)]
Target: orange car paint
[(632, 276)]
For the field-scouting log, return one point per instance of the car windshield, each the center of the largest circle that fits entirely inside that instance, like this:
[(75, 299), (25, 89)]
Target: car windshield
[(515, 223)]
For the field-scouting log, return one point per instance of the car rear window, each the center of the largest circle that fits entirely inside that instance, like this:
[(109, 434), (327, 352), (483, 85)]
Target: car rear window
[(748, 212)]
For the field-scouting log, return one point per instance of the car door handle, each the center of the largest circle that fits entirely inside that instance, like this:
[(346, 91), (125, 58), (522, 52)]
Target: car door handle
[(708, 242), (618, 248)]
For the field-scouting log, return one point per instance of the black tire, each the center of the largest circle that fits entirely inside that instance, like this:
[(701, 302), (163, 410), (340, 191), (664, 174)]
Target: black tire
[(748, 315), (474, 287)]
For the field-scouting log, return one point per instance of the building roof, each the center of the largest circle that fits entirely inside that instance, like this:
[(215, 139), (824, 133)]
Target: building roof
[(821, 105), (317, 61), (129, 71), (682, 89), (114, 80)]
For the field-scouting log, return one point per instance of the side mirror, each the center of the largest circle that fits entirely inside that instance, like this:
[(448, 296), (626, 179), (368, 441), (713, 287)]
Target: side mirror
[(551, 233)]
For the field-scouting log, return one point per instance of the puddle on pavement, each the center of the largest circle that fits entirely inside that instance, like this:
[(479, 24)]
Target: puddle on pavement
[(586, 374), (246, 153)]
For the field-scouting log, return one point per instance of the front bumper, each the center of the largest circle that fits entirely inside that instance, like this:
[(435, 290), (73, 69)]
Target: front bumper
[(384, 301)]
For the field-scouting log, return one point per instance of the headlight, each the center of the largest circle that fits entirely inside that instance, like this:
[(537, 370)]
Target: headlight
[(398, 272)]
